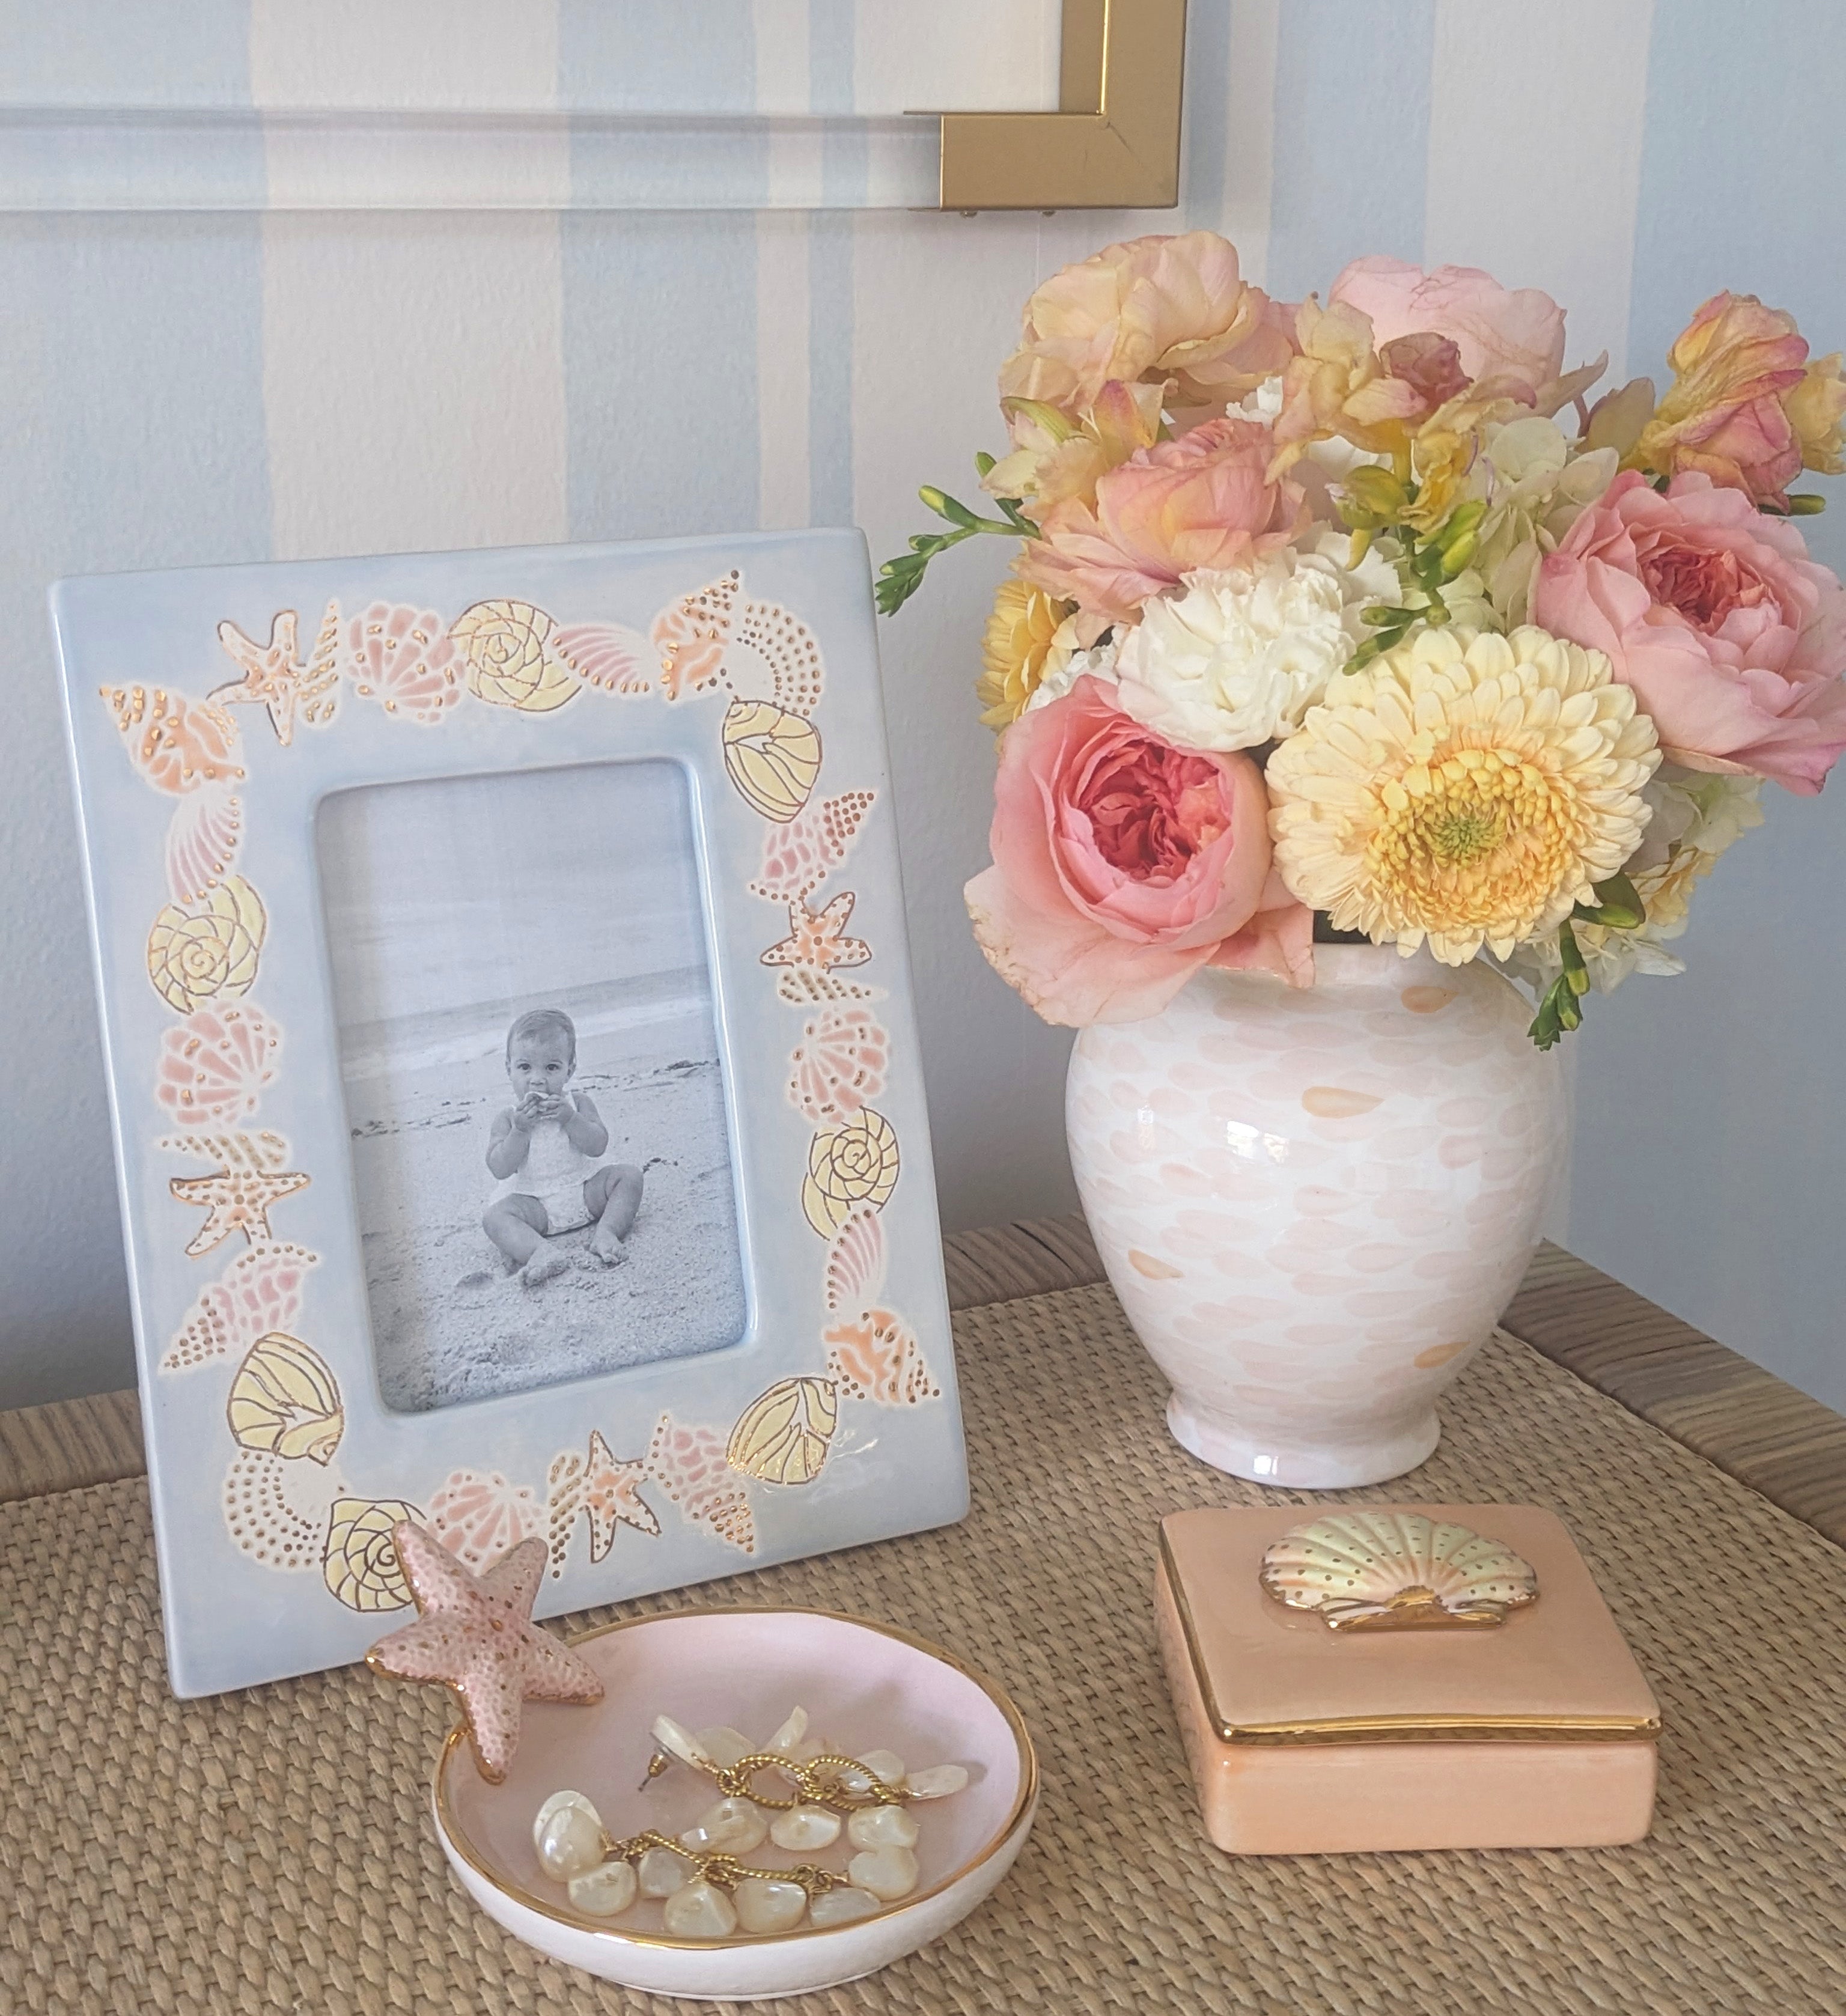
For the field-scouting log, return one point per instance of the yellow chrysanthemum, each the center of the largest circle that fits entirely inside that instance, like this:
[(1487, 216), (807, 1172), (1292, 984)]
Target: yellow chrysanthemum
[(1465, 789), (1018, 637)]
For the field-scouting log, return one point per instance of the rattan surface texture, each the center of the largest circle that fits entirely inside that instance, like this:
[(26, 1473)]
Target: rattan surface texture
[(272, 1851)]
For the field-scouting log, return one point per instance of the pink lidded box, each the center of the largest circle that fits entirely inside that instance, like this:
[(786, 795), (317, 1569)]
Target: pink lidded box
[(1400, 1677)]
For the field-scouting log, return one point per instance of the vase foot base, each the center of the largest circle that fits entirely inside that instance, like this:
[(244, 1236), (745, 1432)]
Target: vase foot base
[(1229, 1445)]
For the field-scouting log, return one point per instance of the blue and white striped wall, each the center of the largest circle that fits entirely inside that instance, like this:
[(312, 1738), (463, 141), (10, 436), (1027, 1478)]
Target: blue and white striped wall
[(255, 382)]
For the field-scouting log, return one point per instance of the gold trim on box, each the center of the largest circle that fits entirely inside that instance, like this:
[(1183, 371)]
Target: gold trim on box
[(1391, 1728), (1114, 142), (561, 1914)]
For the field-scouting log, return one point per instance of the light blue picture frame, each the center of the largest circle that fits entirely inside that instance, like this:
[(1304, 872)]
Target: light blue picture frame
[(211, 711)]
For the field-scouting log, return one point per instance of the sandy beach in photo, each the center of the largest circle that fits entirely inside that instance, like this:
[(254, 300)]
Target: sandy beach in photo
[(448, 1324)]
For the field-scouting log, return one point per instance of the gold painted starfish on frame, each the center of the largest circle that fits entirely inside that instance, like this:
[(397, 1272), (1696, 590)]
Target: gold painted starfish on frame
[(274, 676), (816, 938), (239, 1197)]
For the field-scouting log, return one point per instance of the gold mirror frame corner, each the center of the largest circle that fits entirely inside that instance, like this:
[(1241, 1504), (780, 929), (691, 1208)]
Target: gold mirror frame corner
[(1113, 143)]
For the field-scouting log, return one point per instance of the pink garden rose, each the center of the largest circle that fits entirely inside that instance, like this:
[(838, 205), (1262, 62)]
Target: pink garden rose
[(1153, 308), (1204, 500), (1735, 364), (1731, 638), (1123, 864), (1512, 337)]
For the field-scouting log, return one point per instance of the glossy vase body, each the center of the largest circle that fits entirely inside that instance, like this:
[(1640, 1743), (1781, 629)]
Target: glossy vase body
[(1315, 1204)]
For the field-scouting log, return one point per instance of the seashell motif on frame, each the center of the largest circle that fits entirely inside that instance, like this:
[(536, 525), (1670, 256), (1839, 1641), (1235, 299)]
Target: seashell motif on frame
[(799, 856), (782, 1436), (276, 1511), (510, 662), (855, 1262), (203, 837), (876, 1357), (209, 953), (855, 1162), (690, 636), (359, 1564), (839, 1064), (607, 656), (690, 1465), (176, 743), (1387, 1569), (606, 1488), (403, 657), (214, 1067), (772, 654), (285, 1400), (771, 756), (261, 1290), (479, 1518)]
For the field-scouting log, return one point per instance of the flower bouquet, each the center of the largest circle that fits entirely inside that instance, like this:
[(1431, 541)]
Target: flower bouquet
[(1362, 612), (1340, 628)]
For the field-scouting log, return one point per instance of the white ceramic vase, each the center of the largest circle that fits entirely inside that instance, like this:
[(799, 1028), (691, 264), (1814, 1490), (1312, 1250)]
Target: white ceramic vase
[(1313, 1203)]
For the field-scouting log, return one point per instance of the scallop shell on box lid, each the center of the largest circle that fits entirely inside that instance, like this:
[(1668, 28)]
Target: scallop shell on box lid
[(1386, 1570)]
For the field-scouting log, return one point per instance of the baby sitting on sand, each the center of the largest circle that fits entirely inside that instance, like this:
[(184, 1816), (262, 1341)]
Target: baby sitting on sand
[(547, 1150)]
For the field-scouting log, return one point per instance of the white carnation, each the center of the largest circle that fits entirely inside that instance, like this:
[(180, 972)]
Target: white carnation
[(1240, 657), (1064, 665)]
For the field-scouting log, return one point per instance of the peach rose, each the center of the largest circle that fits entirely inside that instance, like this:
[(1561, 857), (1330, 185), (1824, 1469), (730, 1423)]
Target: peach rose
[(1123, 864), (1155, 308), (1513, 337), (1734, 364), (1203, 501), (1731, 638)]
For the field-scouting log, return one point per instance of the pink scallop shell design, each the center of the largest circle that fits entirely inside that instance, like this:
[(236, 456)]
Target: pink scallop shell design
[(797, 857), (689, 1465), (214, 1067), (477, 1518), (405, 659), (260, 1292), (607, 656), (839, 1064), (855, 1262), (203, 837)]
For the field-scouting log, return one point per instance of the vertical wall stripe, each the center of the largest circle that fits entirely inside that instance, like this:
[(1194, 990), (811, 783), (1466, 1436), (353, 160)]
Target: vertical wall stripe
[(1250, 139), (830, 47), (783, 84), (100, 52), (1352, 109), (413, 373), (660, 308), (1570, 229), (1205, 128)]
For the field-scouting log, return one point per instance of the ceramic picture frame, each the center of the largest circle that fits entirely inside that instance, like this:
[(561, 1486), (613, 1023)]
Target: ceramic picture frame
[(517, 1105)]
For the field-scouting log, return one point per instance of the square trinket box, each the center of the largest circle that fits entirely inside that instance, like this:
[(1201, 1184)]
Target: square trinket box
[(1428, 1693)]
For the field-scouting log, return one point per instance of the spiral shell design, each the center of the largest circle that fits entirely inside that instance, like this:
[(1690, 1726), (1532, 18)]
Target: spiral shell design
[(360, 1565), (209, 953), (771, 756), (284, 1399), (1387, 1569), (509, 663), (781, 1436), (214, 1065), (852, 1164)]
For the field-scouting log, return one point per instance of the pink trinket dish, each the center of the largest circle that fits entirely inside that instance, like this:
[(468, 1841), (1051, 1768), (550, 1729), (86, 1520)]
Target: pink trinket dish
[(1400, 1677), (866, 1686)]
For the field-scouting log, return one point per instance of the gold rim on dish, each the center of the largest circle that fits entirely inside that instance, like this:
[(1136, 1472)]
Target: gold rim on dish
[(579, 1922)]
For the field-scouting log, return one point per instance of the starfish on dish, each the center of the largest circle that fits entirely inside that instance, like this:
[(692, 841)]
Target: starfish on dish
[(474, 1635), (274, 676), (816, 938)]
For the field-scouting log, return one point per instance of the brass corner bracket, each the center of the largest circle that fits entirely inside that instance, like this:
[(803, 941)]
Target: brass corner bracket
[(1113, 143)]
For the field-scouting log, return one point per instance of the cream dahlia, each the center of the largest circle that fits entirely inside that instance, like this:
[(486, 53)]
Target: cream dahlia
[(1465, 789)]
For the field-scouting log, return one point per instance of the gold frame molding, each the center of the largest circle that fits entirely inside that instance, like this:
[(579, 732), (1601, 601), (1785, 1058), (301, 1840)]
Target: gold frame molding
[(1114, 142)]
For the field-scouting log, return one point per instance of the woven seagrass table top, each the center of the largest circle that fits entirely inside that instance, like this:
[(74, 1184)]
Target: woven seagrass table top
[(271, 1850)]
